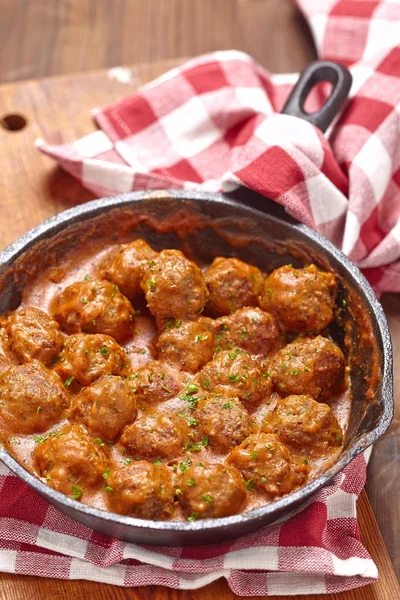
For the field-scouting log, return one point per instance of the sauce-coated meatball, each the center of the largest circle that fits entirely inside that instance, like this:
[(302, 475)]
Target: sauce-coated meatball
[(174, 287), (301, 299), (141, 490), (71, 461), (154, 383), (223, 420), (308, 366), (156, 435), (250, 329), (236, 372), (94, 307), (232, 284), (211, 490), (32, 398), (86, 357), (268, 465), (105, 407), (307, 426), (188, 345), (34, 336), (125, 269)]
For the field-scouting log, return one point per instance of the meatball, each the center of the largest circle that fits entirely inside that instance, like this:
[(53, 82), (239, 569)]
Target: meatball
[(154, 383), (34, 336), (301, 299), (211, 490), (250, 329), (235, 373), (174, 287), (308, 366), (223, 420), (105, 407), (232, 284), (268, 466), (70, 461), (156, 436), (306, 426), (142, 490), (188, 345), (125, 269), (32, 398), (86, 357), (94, 307)]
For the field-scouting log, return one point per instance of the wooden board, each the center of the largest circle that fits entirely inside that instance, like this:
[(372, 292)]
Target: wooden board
[(32, 189)]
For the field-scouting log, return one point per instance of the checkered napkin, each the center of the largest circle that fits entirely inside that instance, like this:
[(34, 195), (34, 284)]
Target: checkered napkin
[(213, 124)]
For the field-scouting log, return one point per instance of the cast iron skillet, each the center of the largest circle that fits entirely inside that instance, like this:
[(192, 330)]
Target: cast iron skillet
[(257, 230)]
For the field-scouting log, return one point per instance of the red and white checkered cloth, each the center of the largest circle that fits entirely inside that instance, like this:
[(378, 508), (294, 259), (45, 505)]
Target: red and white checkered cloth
[(211, 124)]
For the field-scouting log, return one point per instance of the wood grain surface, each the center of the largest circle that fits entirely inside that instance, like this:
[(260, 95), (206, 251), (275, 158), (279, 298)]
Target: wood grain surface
[(52, 37)]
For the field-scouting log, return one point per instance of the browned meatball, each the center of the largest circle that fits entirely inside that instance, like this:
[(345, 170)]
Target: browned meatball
[(174, 287), (188, 345), (94, 307), (154, 383), (307, 426), (308, 366), (208, 491), (157, 435), (125, 269), (250, 329), (105, 407), (301, 299), (87, 357), (34, 335), (236, 372), (223, 420), (232, 284), (32, 398), (70, 461), (141, 490), (268, 466)]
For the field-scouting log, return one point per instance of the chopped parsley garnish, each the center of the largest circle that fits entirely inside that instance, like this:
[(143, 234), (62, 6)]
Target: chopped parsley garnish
[(152, 283), (204, 442), (207, 498), (232, 355), (87, 278), (15, 441), (183, 467), (157, 462), (227, 405), (178, 492), (234, 377), (108, 489), (68, 382), (164, 387), (39, 409), (191, 482), (192, 388), (106, 473), (76, 492), (250, 485), (193, 517), (206, 383), (244, 331), (305, 461), (104, 351), (269, 290), (99, 442), (200, 338), (127, 461), (84, 300), (192, 422), (254, 455)]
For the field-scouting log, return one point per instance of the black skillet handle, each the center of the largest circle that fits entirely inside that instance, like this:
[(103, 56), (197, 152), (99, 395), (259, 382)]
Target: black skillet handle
[(320, 70)]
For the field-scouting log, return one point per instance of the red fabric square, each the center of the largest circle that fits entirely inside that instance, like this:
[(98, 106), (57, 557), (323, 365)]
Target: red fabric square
[(180, 170), (396, 177), (354, 8), (306, 528), (345, 39), (391, 63), (16, 496), (366, 112), (131, 117), (371, 233), (206, 78), (272, 174), (242, 132)]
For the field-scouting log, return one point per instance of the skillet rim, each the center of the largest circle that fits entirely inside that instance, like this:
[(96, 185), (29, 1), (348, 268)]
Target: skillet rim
[(91, 209)]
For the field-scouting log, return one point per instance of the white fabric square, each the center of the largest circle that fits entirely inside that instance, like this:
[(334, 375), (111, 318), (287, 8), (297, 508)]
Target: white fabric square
[(265, 558), (81, 569), (327, 202), (364, 567), (291, 584), (341, 505), (107, 175), (93, 144), (376, 163), (189, 128), (382, 35), (8, 559), (59, 542), (318, 26), (351, 233), (254, 98)]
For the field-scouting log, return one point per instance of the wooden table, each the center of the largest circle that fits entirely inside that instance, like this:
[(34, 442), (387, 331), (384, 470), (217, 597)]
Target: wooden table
[(57, 109)]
